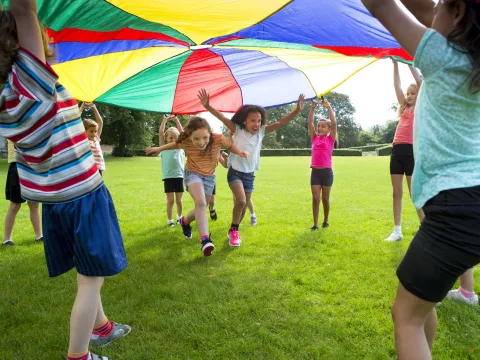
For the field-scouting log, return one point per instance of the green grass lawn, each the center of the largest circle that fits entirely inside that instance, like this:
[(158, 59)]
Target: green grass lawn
[(286, 293)]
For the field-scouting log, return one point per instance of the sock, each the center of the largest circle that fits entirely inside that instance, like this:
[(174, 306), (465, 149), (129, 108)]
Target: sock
[(466, 293), (234, 226), (183, 221), (179, 217), (397, 230), (104, 330), (203, 237), (170, 221), (78, 356), (38, 238), (253, 215)]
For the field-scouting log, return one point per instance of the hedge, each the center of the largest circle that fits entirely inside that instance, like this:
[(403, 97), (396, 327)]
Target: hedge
[(285, 152), (369, 147), (384, 151)]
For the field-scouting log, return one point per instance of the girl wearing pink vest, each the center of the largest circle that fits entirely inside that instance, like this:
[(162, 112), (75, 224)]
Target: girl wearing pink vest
[(323, 142)]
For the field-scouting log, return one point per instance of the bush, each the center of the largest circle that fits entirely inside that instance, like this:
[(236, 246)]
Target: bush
[(124, 152), (369, 147), (384, 151), (307, 152)]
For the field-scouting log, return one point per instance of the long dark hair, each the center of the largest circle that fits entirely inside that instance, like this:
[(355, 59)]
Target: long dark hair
[(195, 123), (240, 117), (466, 37)]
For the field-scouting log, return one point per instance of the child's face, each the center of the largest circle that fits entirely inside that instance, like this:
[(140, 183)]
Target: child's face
[(322, 128), (200, 138), (444, 19), (411, 96), (171, 137), (91, 132), (253, 122)]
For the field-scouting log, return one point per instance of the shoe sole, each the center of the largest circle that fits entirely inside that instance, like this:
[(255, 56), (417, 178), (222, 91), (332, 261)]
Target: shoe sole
[(235, 245), (208, 249)]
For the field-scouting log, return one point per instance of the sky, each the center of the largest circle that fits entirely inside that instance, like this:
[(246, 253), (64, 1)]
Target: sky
[(371, 92)]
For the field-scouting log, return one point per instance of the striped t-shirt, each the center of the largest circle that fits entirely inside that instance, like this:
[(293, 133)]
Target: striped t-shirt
[(54, 160), (97, 153), (204, 163)]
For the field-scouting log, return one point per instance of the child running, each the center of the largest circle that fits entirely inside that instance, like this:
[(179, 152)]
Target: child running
[(323, 137), (14, 195), (401, 161), (94, 131), (203, 148), (444, 39), (56, 167), (173, 164), (248, 126)]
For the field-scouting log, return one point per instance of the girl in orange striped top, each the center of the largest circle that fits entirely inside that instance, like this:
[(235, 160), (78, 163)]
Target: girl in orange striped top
[(202, 148)]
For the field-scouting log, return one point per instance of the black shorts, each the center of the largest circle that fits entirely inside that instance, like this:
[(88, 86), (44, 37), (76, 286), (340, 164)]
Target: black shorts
[(12, 187), (446, 245), (323, 177), (173, 185), (402, 161)]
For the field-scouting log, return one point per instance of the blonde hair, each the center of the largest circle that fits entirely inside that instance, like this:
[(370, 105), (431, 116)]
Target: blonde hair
[(9, 44), (402, 108), (172, 130), (89, 123)]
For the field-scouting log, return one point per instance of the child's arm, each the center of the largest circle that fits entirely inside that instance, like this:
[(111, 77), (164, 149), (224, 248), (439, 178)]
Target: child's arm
[(179, 126), (422, 10), (28, 28), (398, 84), (205, 100), (82, 107), (416, 76), (311, 126), (98, 119), (222, 159), (333, 119), (282, 122), (400, 24), (156, 150), (161, 132), (241, 153)]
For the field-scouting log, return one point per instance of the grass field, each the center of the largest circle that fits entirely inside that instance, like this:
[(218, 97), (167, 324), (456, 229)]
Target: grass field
[(286, 293)]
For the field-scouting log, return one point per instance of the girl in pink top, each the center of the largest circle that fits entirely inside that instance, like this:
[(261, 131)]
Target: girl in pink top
[(401, 161), (323, 142)]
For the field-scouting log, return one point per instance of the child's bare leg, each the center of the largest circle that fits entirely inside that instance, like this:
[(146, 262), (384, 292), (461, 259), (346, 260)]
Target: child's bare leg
[(10, 220), (35, 218)]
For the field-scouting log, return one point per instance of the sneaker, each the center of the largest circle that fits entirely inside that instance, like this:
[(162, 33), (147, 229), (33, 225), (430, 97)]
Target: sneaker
[(234, 238), (314, 228), (207, 246), (178, 220), (325, 225), (40, 239), (458, 296), (394, 237), (171, 223), (118, 331), (8, 243), (213, 215), (92, 356), (253, 220), (187, 229)]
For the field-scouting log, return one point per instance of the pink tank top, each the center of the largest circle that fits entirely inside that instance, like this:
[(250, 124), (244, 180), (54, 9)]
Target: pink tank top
[(322, 149), (404, 132)]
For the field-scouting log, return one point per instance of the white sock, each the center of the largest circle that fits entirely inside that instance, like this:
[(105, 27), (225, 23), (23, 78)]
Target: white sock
[(39, 237), (397, 230), (253, 215), (179, 217), (170, 221)]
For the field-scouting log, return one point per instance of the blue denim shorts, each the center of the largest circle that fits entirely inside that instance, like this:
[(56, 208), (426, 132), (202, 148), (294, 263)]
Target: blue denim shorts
[(208, 182), (247, 179)]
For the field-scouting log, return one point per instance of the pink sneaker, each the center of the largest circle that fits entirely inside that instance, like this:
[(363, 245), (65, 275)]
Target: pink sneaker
[(234, 238)]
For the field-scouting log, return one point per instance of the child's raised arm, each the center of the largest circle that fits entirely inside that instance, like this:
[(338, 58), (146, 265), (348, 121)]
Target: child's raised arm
[(416, 76), (179, 125), (161, 132), (156, 150), (282, 122), (311, 114), (205, 100), (98, 118), (333, 119), (398, 84), (422, 10), (407, 30), (29, 32)]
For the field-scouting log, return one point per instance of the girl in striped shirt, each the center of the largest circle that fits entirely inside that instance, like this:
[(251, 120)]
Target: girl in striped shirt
[(93, 128)]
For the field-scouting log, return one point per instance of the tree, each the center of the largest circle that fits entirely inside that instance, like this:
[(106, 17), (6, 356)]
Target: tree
[(366, 137)]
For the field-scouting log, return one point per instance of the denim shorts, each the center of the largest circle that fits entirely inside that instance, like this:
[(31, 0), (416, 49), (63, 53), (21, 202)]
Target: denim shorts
[(247, 179), (207, 181)]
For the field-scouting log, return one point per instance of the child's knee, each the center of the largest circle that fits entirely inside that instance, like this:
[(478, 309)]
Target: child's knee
[(240, 202), (170, 202), (14, 207), (201, 203), (316, 199), (89, 281)]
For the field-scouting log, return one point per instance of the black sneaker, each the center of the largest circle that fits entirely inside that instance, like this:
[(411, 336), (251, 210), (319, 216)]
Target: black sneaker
[(207, 246), (8, 243), (187, 229), (171, 224), (314, 228), (213, 215), (325, 225)]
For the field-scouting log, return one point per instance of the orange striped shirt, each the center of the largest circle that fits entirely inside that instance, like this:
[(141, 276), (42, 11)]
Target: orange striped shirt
[(204, 164)]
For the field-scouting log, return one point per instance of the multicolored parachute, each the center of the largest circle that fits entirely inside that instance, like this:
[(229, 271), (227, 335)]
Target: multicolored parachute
[(155, 55)]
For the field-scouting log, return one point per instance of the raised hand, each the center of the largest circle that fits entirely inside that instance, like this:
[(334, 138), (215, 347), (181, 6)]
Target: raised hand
[(300, 103), (204, 98), (325, 103)]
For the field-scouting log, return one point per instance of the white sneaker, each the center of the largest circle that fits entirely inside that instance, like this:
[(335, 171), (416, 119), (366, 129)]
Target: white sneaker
[(394, 237), (458, 296), (253, 220)]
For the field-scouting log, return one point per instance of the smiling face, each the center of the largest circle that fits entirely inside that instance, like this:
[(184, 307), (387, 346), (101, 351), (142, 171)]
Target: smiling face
[(200, 138), (322, 128), (411, 95), (253, 122), (91, 132)]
